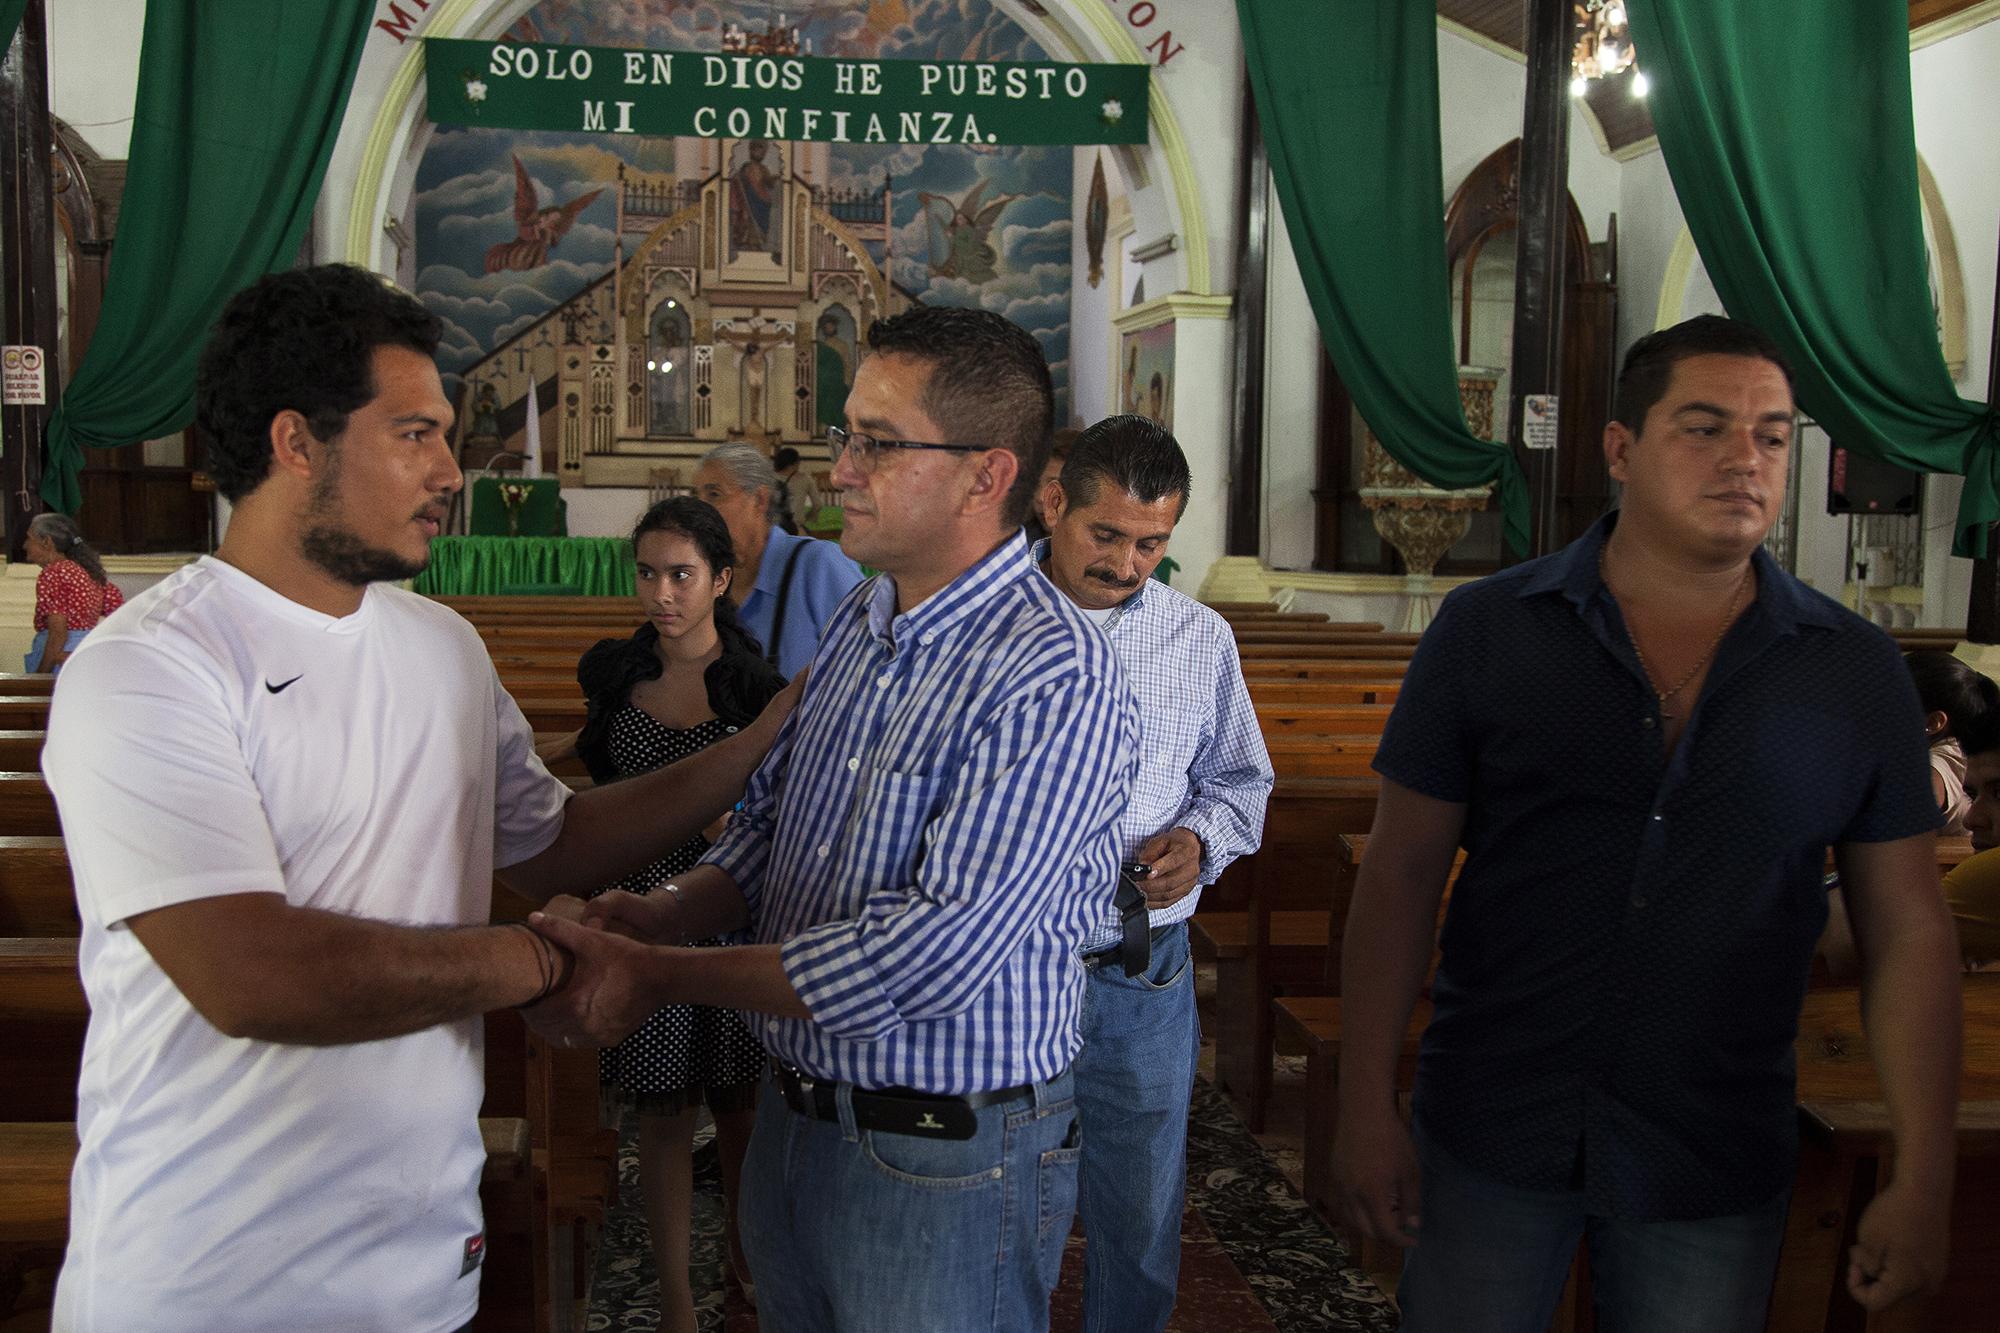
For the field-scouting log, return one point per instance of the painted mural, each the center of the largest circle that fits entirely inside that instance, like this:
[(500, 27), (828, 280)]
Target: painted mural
[(664, 294)]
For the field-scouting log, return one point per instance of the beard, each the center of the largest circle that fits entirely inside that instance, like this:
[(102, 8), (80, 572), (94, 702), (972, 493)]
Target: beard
[(346, 557), (338, 551)]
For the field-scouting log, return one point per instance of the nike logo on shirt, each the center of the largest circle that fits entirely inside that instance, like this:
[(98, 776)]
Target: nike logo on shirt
[(280, 689)]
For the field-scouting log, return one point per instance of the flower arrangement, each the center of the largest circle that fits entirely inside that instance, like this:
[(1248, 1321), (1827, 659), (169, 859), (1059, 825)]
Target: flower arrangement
[(514, 494)]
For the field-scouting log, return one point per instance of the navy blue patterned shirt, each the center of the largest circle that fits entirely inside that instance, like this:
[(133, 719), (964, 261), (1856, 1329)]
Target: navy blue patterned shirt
[(1628, 943)]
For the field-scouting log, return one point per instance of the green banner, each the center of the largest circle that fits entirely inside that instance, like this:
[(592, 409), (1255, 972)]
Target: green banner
[(800, 99)]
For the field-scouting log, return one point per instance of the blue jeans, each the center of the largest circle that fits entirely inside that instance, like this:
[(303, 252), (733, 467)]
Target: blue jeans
[(1492, 1259), (1133, 1080), (850, 1230)]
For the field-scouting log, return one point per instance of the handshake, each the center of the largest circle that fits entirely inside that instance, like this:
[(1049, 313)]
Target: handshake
[(619, 970)]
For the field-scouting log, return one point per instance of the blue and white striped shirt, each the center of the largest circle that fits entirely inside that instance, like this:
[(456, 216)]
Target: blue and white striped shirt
[(1202, 761), (935, 831)]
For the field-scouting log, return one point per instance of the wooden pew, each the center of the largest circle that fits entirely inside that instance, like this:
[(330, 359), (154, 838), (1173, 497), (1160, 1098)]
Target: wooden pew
[(1844, 1147), (26, 807), (30, 685), (1265, 690), (21, 750), (36, 896), (21, 712), (1264, 924)]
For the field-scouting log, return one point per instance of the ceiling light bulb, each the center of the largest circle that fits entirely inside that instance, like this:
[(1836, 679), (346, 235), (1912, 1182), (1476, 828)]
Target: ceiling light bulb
[(1578, 86), (651, 366), (1615, 16), (666, 367), (1640, 84)]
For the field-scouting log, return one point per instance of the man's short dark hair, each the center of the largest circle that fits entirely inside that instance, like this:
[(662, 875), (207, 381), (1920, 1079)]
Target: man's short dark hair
[(784, 458), (302, 340), (1980, 734), (1650, 362), (989, 384), (1133, 453)]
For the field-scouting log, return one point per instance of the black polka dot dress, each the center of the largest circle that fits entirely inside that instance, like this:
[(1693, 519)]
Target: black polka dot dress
[(685, 1053)]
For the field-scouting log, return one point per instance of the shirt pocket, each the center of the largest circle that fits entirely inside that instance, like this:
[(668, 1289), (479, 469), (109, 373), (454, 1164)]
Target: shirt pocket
[(1169, 739), (883, 845)]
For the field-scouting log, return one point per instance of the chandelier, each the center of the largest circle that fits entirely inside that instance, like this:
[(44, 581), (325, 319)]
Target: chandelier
[(1603, 46)]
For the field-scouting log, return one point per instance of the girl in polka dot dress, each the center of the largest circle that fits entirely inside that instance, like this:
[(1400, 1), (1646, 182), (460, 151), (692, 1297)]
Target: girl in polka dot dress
[(688, 677)]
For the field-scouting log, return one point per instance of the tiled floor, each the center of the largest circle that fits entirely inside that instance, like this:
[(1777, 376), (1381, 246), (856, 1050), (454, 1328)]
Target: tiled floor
[(1254, 1258)]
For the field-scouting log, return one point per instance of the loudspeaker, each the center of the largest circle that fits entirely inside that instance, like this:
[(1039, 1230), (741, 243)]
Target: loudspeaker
[(1858, 484)]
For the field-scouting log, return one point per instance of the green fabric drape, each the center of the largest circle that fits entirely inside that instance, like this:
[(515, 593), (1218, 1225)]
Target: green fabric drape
[(10, 19), (239, 103), (1791, 143), (1348, 99), (488, 566)]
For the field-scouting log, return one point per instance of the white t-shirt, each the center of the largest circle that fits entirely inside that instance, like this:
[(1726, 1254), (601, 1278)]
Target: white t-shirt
[(216, 738)]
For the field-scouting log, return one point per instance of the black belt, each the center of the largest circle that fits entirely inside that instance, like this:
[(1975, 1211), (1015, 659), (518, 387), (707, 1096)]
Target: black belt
[(1121, 952), (892, 1110)]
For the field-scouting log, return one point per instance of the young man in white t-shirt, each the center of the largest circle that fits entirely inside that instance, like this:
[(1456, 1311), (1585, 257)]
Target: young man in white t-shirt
[(285, 788)]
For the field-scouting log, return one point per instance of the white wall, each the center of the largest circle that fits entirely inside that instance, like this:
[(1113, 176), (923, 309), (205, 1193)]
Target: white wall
[(1482, 95), (1954, 82), (603, 511), (1090, 307), (94, 68), (1291, 406)]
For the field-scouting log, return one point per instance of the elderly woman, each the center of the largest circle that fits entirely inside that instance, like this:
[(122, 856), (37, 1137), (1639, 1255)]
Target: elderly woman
[(72, 593), (789, 585)]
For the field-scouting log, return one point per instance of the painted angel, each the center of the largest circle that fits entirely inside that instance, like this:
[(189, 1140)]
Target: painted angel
[(540, 228), (961, 231)]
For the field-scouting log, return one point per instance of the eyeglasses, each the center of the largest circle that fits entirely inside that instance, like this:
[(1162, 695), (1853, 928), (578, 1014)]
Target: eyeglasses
[(865, 447)]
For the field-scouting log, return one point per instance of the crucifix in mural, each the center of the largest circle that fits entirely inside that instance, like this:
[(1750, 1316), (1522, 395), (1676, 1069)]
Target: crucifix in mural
[(754, 340), (715, 280)]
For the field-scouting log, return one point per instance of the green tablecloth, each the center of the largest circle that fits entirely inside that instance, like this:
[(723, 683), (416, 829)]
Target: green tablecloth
[(489, 566), (543, 513)]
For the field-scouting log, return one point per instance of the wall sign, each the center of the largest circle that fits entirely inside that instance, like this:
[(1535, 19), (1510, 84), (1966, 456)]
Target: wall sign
[(21, 375), (812, 99), (1539, 419)]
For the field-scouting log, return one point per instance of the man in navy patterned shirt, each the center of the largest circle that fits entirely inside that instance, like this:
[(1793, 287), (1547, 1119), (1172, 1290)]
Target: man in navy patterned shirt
[(918, 863), (1645, 743), (1198, 804)]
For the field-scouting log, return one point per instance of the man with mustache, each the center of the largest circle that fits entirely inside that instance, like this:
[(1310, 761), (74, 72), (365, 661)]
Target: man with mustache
[(285, 787), (1198, 804), (1645, 744)]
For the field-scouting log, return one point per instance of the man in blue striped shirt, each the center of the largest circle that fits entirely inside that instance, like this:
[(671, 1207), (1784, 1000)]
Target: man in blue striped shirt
[(919, 862), (1197, 804)]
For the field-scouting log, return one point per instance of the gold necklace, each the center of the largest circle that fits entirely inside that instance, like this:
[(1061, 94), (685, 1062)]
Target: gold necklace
[(1735, 603)]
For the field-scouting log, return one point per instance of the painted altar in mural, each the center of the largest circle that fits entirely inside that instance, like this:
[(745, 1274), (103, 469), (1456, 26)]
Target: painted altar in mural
[(655, 296)]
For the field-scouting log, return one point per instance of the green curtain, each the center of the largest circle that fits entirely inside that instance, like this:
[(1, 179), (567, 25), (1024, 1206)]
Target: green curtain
[(239, 103), (1790, 139), (10, 19), (1348, 99), (489, 566)]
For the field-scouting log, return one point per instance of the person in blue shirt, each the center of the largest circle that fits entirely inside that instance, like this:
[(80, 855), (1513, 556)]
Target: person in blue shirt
[(793, 582), (1197, 804), (917, 866), (1645, 743)]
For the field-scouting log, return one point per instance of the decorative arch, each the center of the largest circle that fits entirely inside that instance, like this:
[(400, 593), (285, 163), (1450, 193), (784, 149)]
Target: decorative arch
[(1486, 206)]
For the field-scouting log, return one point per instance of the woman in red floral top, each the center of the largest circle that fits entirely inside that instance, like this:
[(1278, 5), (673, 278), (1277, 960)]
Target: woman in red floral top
[(71, 594)]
